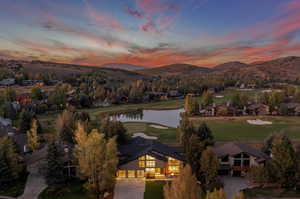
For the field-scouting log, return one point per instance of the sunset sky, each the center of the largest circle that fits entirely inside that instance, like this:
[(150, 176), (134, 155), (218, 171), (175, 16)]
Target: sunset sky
[(149, 32)]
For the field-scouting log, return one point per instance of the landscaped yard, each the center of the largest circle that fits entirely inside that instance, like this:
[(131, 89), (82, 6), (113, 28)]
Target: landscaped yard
[(154, 190)]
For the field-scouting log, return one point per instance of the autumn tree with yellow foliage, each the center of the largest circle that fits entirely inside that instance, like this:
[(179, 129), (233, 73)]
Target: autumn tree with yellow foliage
[(32, 136), (97, 160)]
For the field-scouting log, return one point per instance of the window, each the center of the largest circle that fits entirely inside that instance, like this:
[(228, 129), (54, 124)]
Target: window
[(121, 174), (225, 159), (131, 173), (140, 174), (148, 157), (150, 163), (246, 163), (245, 155), (141, 163), (172, 161), (237, 163)]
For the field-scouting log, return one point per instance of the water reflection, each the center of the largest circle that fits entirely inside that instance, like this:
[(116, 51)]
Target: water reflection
[(169, 118)]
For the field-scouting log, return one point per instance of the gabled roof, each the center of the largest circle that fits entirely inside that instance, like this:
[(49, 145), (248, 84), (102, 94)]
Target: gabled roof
[(138, 146), (233, 149)]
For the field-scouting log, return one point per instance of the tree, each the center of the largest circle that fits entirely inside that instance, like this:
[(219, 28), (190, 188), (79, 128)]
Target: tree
[(9, 94), (185, 186), (25, 120), (112, 128), (284, 161), (32, 136), (65, 126), (240, 195), (8, 151), (36, 93), (209, 165), (208, 98), (216, 194), (5, 175), (55, 165), (191, 106), (97, 160), (267, 146)]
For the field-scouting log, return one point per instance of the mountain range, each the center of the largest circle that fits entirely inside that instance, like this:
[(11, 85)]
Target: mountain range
[(287, 68)]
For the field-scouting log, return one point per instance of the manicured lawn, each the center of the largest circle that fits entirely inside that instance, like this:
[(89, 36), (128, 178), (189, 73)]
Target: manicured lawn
[(17, 189), (74, 190), (234, 129), (239, 129), (164, 135), (154, 190), (271, 193)]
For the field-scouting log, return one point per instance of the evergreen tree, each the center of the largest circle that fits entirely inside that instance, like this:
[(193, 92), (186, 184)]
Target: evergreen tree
[(55, 165), (284, 161), (36, 93), (65, 125), (8, 151), (5, 175), (25, 120), (112, 128), (185, 186)]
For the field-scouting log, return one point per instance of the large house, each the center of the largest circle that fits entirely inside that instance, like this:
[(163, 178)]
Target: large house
[(237, 158), (142, 158)]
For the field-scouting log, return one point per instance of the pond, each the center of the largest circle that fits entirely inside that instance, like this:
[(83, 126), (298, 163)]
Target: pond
[(169, 118)]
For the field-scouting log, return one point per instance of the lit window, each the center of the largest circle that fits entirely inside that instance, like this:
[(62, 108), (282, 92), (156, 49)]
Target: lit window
[(141, 163), (121, 174), (131, 173), (148, 157), (150, 163)]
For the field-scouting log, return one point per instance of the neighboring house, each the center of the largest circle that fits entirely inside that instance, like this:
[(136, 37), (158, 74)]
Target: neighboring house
[(293, 108), (237, 158), (24, 98), (141, 158), (19, 138), (7, 82), (258, 109)]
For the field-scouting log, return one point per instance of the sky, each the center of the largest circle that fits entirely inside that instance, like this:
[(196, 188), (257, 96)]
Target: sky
[(149, 32)]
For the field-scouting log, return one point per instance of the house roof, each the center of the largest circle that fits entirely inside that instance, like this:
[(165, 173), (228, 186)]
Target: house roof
[(233, 148), (138, 146)]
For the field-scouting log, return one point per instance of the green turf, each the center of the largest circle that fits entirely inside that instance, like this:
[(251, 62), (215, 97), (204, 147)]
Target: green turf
[(154, 190), (240, 130), (74, 190), (235, 129)]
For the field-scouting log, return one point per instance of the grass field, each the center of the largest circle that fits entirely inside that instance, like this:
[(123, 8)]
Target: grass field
[(239, 129), (225, 129), (154, 190)]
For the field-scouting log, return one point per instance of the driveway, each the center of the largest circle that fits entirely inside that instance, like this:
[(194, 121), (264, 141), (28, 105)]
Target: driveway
[(233, 185), (129, 189)]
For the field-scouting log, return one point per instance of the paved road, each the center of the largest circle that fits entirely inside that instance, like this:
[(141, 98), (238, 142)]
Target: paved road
[(129, 189), (232, 185), (34, 186)]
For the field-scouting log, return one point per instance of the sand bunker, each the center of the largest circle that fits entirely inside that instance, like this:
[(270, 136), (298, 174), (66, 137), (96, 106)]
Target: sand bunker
[(219, 96), (259, 122), (158, 126), (143, 135)]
